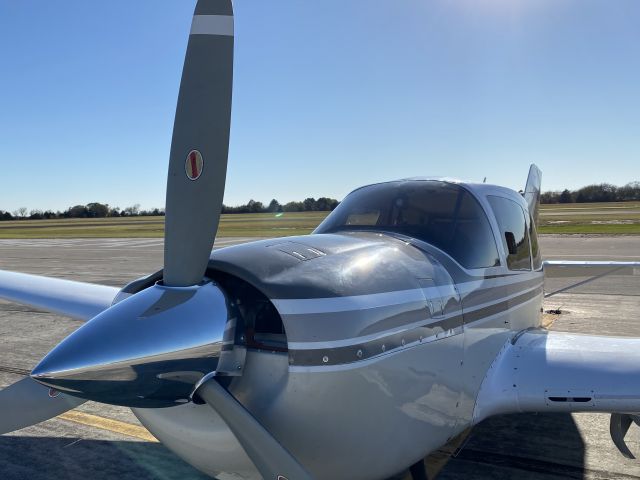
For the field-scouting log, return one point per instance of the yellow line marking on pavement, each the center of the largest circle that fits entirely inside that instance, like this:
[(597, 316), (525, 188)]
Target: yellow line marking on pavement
[(102, 423), (548, 319), (436, 461)]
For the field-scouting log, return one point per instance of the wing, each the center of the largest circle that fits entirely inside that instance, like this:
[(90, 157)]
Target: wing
[(26, 402), (579, 268), (542, 371), (74, 299), (592, 270)]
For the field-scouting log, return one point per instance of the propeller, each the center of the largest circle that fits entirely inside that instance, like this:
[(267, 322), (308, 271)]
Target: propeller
[(27, 402), (155, 347), (618, 427), (149, 349), (268, 455), (200, 145)]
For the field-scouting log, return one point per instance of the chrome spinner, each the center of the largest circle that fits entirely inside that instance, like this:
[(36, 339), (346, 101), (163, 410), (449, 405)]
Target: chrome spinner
[(148, 350)]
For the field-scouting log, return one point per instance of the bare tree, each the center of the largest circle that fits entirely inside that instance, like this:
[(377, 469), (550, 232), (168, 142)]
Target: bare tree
[(132, 210), (20, 213)]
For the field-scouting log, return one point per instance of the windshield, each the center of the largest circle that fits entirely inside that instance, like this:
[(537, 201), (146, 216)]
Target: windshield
[(442, 214)]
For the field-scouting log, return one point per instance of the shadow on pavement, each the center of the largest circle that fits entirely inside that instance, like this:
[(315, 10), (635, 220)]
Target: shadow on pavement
[(46, 458), (523, 446)]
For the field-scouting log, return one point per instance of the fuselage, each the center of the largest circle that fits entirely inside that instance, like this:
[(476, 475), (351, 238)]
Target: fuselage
[(373, 334)]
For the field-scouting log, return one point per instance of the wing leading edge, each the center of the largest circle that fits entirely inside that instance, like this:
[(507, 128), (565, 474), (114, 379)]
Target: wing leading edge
[(74, 299), (588, 271), (580, 268), (27, 402), (541, 371)]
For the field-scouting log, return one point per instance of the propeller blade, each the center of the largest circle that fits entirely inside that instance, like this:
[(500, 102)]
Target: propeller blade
[(618, 427), (200, 145), (272, 460), (26, 403)]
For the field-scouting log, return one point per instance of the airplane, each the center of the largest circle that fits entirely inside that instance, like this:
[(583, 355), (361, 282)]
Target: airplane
[(411, 314)]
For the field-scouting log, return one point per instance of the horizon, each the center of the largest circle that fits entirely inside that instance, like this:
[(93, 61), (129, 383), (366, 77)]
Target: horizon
[(266, 203), (323, 103)]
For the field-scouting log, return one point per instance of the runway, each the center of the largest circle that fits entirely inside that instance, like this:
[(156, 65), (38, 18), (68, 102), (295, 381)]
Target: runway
[(103, 442)]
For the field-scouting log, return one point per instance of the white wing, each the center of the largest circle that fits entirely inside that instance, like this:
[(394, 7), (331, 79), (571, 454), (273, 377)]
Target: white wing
[(74, 299), (541, 371), (587, 270), (26, 402), (579, 268)]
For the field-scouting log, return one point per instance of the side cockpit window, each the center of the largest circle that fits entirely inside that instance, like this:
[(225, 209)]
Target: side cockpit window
[(514, 230), (442, 214), (470, 239)]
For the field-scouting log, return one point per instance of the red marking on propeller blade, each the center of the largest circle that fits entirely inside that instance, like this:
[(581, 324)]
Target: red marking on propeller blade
[(193, 165), (193, 157)]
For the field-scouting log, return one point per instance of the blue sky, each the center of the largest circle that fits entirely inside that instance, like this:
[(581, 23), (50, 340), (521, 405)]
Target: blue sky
[(328, 95)]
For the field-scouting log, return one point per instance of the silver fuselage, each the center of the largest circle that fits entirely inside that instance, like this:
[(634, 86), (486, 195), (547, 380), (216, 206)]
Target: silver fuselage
[(388, 340)]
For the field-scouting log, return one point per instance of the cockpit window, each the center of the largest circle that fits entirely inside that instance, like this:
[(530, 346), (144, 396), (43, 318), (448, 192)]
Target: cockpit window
[(364, 218), (441, 214), (514, 228)]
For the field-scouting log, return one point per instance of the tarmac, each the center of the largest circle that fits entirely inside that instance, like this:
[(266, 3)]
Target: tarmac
[(102, 442)]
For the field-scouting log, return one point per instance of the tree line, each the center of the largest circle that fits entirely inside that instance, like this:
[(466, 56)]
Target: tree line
[(90, 210), (322, 204), (102, 210), (602, 192)]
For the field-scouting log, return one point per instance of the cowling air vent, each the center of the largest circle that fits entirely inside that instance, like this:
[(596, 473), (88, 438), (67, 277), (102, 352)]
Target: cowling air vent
[(298, 250)]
